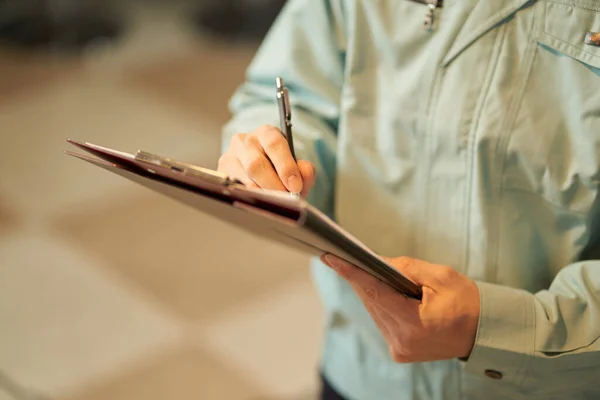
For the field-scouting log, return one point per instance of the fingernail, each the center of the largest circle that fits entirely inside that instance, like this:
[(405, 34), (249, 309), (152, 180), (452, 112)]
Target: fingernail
[(330, 260), (295, 184)]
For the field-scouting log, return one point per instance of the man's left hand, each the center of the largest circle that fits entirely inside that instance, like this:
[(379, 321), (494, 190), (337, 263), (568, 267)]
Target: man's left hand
[(441, 326)]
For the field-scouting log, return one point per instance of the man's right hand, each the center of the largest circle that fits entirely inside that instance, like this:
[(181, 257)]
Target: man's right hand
[(262, 159)]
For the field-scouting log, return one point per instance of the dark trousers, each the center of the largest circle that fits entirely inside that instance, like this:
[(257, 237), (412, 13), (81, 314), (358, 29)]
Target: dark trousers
[(328, 392)]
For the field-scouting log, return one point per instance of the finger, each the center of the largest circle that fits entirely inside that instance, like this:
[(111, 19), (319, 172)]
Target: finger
[(278, 151), (308, 176), (236, 145), (368, 287), (348, 270), (257, 166), (230, 165), (422, 273)]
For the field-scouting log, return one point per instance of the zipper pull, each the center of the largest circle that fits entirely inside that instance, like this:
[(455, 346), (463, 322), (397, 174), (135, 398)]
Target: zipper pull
[(429, 21)]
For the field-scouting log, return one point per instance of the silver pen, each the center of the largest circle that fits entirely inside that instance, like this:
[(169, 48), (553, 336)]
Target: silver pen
[(285, 116)]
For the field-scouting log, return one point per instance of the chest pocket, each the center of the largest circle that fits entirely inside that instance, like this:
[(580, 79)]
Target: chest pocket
[(553, 148), (532, 129), (539, 128)]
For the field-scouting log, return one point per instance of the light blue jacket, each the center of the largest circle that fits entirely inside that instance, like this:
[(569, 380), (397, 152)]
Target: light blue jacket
[(475, 145)]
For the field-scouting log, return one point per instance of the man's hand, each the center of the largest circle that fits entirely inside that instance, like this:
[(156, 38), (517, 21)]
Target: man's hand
[(441, 326), (263, 159)]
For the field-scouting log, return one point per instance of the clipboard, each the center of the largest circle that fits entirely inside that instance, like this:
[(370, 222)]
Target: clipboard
[(273, 215)]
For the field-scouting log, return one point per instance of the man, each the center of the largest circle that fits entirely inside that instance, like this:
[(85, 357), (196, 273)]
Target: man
[(469, 149)]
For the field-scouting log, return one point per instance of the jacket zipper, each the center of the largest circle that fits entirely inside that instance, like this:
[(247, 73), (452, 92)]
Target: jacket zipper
[(432, 5)]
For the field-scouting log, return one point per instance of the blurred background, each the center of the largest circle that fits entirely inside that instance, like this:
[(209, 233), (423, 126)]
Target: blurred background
[(108, 290)]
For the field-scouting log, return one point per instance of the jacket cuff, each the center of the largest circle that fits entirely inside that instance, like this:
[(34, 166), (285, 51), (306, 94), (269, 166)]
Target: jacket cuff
[(504, 344)]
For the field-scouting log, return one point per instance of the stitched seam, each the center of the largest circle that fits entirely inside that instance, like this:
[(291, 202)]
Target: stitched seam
[(585, 5), (521, 361), (528, 357), (431, 110), (502, 144), (499, 40), (571, 45)]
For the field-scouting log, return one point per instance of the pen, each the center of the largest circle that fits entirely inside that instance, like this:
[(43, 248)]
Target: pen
[(285, 116), (285, 113)]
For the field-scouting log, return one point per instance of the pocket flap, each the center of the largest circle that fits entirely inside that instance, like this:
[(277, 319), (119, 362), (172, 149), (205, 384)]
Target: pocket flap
[(564, 26)]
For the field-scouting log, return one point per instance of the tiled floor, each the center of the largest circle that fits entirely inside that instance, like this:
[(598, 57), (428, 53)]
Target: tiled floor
[(208, 272), (185, 373), (110, 291)]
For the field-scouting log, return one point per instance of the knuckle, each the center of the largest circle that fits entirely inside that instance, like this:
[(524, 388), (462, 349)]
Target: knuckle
[(406, 346), (238, 138), (290, 168), (223, 161), (405, 262), (399, 353), (255, 167), (275, 142), (446, 273), (396, 356), (371, 292), (343, 272), (264, 128), (250, 140)]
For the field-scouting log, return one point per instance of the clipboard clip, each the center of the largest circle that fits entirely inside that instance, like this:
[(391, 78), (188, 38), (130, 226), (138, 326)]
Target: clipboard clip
[(187, 169)]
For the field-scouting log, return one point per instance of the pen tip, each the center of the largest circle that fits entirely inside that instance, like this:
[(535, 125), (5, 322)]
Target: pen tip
[(279, 82)]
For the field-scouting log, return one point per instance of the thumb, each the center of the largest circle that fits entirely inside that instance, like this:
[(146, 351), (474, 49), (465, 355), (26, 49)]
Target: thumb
[(309, 176), (420, 272)]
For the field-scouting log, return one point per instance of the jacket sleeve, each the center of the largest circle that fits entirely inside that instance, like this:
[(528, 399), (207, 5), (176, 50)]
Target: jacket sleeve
[(544, 343), (305, 47)]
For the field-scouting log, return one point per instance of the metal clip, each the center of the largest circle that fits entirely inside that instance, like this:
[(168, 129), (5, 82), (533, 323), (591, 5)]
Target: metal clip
[(593, 38)]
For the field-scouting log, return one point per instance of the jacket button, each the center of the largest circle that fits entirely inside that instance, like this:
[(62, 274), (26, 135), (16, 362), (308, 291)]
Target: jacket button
[(490, 373)]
